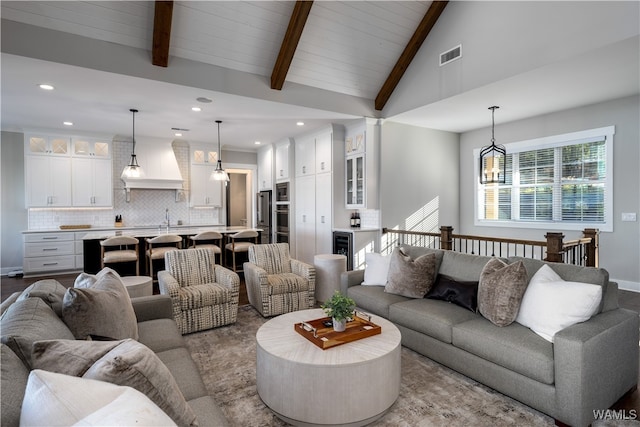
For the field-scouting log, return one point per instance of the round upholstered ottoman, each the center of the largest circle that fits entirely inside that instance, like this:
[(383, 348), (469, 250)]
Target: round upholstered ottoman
[(329, 267), (138, 286)]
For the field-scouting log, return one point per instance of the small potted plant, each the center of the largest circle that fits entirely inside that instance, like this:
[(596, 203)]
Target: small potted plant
[(340, 308)]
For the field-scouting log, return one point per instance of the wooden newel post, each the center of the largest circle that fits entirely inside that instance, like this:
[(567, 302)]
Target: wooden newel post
[(446, 241), (592, 247), (554, 246)]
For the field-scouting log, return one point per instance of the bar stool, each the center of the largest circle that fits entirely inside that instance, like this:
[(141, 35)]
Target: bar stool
[(127, 251), (239, 243), (163, 244), (208, 236)]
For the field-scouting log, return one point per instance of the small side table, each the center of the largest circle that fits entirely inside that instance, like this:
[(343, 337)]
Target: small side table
[(329, 267), (138, 286)]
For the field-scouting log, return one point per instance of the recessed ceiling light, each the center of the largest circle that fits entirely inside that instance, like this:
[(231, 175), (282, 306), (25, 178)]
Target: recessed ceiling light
[(46, 86), (197, 109), (300, 123), (178, 134), (257, 142), (67, 123), (203, 99)]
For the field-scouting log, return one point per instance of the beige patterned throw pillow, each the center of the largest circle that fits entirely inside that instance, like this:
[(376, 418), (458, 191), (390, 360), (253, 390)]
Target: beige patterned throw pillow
[(500, 291), (408, 277)]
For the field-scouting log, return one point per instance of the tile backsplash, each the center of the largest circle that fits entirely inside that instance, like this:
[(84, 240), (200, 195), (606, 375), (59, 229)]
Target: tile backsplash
[(144, 208)]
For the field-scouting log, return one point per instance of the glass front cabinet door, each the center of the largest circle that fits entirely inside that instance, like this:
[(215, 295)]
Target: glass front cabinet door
[(355, 183)]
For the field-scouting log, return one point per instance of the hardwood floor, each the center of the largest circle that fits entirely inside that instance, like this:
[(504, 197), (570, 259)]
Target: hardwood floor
[(627, 299)]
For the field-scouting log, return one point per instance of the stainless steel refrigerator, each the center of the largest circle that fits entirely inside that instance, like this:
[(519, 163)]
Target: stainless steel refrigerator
[(264, 215)]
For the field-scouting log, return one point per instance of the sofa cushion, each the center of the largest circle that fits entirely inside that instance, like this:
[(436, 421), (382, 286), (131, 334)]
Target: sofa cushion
[(196, 296), (576, 273), (463, 266), (376, 269), (500, 291), (551, 304), (462, 293), (57, 399), (286, 283), (429, 317), (28, 321), (184, 371), (207, 412), (49, 290), (514, 347), (104, 309), (160, 335), (373, 299), (410, 277), (14, 381)]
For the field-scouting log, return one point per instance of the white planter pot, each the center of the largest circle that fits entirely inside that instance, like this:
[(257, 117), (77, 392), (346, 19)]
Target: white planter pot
[(339, 326)]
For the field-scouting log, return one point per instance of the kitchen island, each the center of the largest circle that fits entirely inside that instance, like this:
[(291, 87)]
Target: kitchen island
[(91, 241)]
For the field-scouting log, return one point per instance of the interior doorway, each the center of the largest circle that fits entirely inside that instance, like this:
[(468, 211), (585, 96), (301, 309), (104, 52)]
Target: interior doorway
[(239, 203)]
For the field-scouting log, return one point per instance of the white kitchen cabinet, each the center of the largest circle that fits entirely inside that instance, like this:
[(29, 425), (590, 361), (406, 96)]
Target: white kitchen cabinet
[(43, 145), (282, 159), (92, 184), (305, 161), (355, 181), (47, 181), (324, 152), (205, 192), (305, 218), (90, 147), (49, 252), (324, 214), (362, 145), (265, 168)]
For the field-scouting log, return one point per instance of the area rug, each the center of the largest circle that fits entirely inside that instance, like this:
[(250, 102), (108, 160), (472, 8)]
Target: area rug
[(430, 394)]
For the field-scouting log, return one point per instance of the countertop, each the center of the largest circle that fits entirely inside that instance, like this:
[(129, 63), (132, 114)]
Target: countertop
[(157, 231), (358, 229)]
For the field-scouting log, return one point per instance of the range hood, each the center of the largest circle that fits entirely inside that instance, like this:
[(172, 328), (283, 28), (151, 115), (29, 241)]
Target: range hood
[(158, 161)]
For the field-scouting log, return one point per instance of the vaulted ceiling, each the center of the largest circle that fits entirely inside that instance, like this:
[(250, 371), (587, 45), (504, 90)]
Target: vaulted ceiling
[(264, 65)]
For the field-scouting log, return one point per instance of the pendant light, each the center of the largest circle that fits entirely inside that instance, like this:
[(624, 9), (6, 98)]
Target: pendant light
[(493, 158), (219, 174), (133, 169)]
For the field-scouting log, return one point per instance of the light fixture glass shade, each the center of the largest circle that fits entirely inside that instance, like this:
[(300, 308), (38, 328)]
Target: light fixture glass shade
[(493, 159), (219, 174), (133, 169)]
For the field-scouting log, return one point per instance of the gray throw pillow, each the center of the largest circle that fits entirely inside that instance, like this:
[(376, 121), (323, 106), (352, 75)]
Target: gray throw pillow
[(69, 357), (408, 277), (28, 321), (102, 310), (48, 290), (500, 291)]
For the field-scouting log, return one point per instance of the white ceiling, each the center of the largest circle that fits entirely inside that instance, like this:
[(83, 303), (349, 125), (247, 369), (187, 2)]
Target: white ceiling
[(346, 52)]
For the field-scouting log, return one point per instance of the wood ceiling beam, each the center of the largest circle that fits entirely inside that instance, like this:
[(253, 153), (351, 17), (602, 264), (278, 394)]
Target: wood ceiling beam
[(161, 32), (290, 43), (419, 36)]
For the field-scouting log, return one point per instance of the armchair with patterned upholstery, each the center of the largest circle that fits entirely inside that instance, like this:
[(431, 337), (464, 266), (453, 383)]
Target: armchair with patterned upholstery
[(203, 295), (276, 283)]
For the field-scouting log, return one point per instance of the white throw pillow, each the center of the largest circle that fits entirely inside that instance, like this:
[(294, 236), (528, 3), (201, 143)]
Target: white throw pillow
[(61, 400), (551, 304), (376, 269)]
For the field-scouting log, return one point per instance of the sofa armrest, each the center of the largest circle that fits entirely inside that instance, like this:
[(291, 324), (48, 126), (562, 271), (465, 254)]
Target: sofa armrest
[(596, 362), (152, 307), (350, 278), (168, 285)]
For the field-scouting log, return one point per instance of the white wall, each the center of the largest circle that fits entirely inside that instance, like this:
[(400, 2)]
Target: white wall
[(13, 216), (419, 177), (620, 249)]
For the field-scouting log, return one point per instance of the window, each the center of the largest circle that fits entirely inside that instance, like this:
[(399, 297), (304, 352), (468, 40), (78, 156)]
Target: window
[(558, 182)]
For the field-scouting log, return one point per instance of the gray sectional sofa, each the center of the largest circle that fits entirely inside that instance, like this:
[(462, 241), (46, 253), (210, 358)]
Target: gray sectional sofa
[(35, 317), (587, 367)]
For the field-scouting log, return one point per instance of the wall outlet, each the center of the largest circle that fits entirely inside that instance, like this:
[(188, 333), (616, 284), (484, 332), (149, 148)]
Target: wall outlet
[(629, 216)]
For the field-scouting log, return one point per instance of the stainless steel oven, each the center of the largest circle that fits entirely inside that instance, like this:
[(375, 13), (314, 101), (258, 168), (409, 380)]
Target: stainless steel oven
[(282, 223), (282, 192)]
